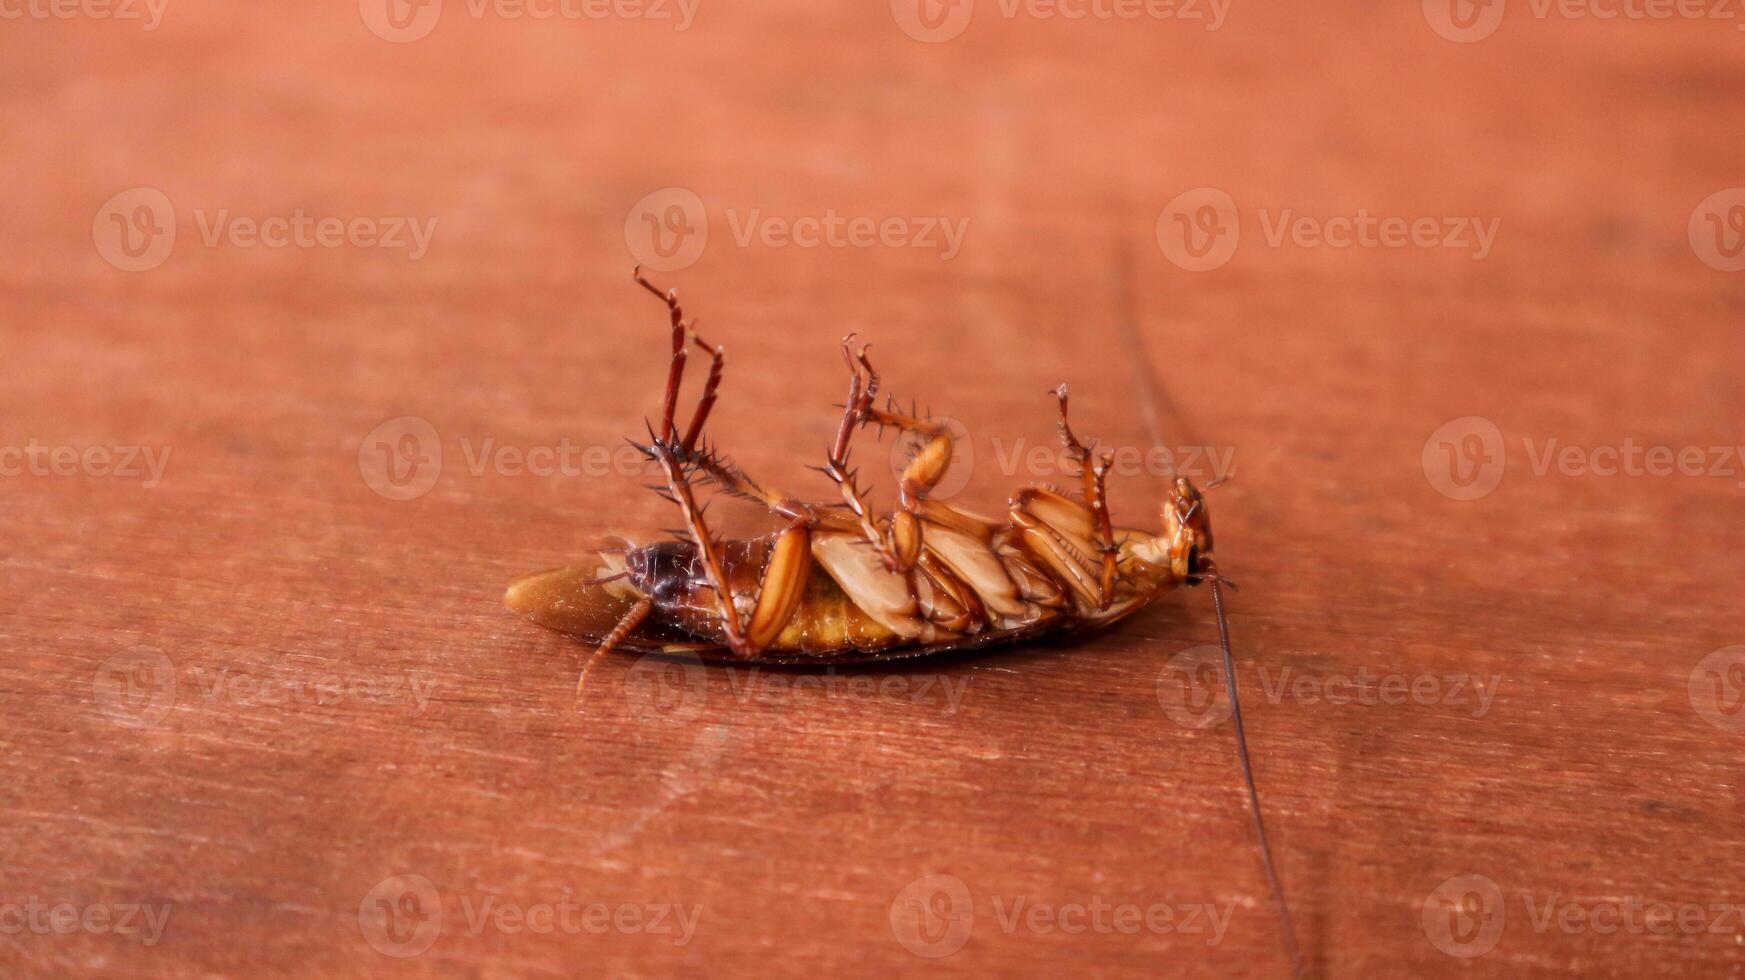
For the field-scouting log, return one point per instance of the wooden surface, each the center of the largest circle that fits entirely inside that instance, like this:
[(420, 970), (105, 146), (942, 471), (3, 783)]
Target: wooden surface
[(257, 690)]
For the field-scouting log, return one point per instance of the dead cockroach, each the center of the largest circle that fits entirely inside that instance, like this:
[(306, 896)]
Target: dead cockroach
[(840, 584)]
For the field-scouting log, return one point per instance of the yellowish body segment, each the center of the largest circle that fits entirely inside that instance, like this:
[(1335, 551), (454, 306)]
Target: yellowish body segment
[(827, 591)]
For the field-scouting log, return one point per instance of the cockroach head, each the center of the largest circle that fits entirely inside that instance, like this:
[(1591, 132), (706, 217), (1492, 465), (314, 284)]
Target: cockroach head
[(1187, 532)]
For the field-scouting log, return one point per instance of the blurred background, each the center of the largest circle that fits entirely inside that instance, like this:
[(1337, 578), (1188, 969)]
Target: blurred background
[(317, 327)]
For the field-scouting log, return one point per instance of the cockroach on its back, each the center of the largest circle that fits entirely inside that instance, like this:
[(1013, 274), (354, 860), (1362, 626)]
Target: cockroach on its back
[(840, 584)]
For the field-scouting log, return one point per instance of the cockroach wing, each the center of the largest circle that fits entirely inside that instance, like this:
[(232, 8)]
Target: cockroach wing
[(572, 600)]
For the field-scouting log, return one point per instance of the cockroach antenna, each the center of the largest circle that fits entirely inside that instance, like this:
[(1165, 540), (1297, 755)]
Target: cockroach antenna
[(1278, 892), (1156, 404)]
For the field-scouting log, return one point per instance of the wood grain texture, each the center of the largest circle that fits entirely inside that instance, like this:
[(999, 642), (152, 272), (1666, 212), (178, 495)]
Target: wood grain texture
[(259, 689)]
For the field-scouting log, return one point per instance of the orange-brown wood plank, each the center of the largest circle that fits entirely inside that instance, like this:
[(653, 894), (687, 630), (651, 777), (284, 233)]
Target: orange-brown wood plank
[(261, 502)]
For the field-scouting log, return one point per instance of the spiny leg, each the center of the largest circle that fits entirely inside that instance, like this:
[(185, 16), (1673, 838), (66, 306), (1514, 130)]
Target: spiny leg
[(919, 478), (733, 481), (855, 413), (1094, 471), (712, 464), (676, 369), (900, 547), (673, 454)]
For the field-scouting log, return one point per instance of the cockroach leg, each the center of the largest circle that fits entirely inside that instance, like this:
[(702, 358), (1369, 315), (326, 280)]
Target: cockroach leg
[(676, 372), (783, 586), (717, 362), (902, 545), (1058, 531), (673, 455), (855, 413), (676, 367), (1094, 470), (708, 548), (733, 481)]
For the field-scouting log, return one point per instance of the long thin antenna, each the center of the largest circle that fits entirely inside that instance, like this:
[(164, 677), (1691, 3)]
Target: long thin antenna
[(631, 620), (1278, 891), (1156, 404)]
